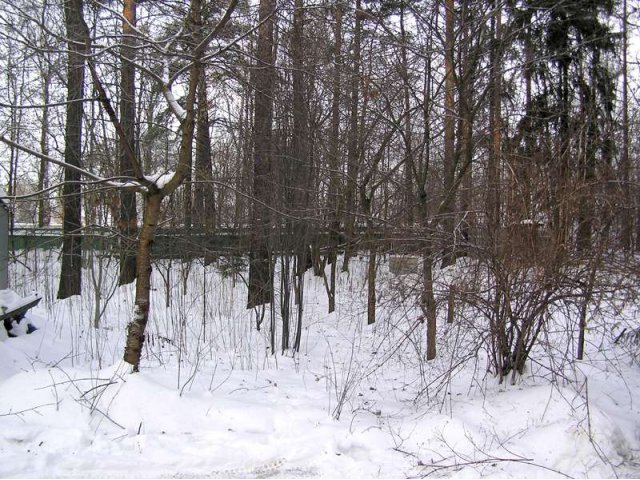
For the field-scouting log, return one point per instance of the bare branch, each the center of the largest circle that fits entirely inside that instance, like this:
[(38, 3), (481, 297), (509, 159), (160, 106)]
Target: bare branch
[(133, 183)]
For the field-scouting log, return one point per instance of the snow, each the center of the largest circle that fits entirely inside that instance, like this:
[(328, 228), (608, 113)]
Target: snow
[(212, 401), (10, 300), (529, 221), (160, 179), (176, 108)]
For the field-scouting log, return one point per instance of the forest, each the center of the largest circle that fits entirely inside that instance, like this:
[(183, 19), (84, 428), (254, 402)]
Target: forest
[(445, 189)]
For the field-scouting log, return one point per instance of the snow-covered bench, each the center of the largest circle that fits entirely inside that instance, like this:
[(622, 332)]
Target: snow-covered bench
[(14, 311)]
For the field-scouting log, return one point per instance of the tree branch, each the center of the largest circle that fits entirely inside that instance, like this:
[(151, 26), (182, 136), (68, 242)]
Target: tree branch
[(134, 183)]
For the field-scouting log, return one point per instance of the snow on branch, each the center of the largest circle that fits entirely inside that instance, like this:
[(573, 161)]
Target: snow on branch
[(160, 179), (175, 107)]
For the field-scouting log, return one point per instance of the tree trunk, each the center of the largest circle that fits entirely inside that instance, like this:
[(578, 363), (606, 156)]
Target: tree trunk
[(366, 202), (465, 132), (353, 143), (285, 299), (71, 269), (428, 301), (559, 173), (260, 269), (136, 327), (43, 173), (334, 161), (301, 158), (187, 195), (371, 284), (625, 164), (409, 195), (128, 213), (204, 197), (448, 219), (587, 165), (495, 127)]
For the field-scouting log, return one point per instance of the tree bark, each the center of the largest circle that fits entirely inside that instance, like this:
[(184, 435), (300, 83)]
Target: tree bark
[(587, 162), (366, 201), (353, 141), (301, 158), (495, 127), (428, 301), (448, 219), (260, 268), (465, 131), (409, 195), (137, 326), (43, 172), (128, 214), (334, 160), (625, 164), (204, 197), (71, 268)]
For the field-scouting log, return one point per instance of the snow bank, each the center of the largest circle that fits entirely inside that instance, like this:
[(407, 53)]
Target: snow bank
[(211, 401)]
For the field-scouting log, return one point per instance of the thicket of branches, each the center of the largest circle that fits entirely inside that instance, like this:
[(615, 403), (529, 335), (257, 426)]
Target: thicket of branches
[(500, 131)]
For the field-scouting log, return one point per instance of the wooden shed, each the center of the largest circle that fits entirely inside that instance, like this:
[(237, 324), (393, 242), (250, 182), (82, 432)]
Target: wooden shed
[(4, 240)]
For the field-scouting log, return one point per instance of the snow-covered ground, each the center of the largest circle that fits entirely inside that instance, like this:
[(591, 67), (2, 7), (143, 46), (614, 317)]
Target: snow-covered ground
[(358, 401)]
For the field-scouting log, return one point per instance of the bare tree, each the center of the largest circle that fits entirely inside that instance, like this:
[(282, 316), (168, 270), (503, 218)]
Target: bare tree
[(156, 191)]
